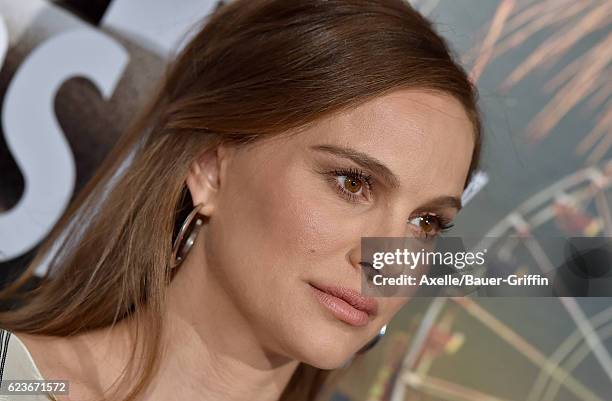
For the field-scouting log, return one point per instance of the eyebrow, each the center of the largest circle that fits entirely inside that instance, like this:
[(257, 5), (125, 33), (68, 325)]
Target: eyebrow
[(364, 160), (376, 166), (442, 202)]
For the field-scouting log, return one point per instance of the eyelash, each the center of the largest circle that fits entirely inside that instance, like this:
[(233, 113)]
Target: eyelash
[(443, 222), (359, 175), (353, 174)]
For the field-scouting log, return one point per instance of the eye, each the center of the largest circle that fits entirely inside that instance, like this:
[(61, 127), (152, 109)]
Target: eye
[(430, 225), (352, 184)]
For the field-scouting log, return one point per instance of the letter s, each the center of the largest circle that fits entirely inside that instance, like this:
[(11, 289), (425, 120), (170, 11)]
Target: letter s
[(34, 136)]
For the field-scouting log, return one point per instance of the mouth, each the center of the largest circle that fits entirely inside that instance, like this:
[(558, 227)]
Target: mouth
[(346, 304)]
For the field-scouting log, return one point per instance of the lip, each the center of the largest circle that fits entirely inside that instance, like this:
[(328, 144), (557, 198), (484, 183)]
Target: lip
[(346, 304)]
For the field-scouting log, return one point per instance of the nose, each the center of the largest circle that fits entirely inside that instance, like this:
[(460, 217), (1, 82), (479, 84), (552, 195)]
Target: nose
[(381, 234), (393, 222)]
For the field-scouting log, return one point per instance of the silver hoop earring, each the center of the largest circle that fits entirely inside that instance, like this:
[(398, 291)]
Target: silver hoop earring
[(188, 232), (373, 341)]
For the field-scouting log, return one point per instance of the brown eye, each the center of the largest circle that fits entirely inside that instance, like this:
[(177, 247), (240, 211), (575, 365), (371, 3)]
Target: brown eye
[(428, 223), (352, 185)]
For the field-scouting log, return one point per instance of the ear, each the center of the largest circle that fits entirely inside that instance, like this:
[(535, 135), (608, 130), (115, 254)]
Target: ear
[(204, 178)]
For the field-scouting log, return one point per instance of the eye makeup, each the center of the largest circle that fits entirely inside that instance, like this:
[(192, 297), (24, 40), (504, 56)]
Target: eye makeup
[(345, 180), (425, 221), (356, 185)]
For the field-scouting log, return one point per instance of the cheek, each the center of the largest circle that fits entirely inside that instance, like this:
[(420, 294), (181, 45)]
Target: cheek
[(286, 212)]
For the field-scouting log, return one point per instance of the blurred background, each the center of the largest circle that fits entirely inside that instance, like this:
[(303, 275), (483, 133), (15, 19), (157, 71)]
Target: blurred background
[(75, 71)]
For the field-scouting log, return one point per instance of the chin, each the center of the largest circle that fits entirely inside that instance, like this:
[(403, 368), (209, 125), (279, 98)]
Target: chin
[(326, 351), (328, 362)]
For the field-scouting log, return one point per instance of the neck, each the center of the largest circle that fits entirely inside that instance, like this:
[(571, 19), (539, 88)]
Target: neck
[(209, 351)]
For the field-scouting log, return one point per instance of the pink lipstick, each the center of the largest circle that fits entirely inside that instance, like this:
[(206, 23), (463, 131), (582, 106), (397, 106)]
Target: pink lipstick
[(346, 304)]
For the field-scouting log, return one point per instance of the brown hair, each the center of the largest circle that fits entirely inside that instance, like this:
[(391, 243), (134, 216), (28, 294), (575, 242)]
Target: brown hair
[(256, 68)]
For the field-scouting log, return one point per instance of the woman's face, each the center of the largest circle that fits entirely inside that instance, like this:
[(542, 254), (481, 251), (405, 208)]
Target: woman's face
[(289, 212)]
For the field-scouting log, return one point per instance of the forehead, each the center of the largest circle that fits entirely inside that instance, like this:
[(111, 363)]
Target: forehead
[(425, 138)]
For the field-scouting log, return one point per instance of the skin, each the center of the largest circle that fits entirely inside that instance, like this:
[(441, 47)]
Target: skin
[(241, 312)]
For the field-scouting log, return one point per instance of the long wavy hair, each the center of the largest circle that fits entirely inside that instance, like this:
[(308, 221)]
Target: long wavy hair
[(255, 68)]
